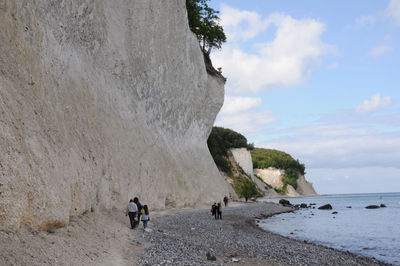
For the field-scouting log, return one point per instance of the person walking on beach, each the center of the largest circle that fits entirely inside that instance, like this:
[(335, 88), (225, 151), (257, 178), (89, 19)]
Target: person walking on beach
[(145, 216), (218, 211), (226, 201), (213, 209), (139, 206), (131, 210)]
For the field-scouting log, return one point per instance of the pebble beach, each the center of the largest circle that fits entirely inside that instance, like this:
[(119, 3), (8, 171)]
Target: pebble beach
[(175, 237), (194, 237)]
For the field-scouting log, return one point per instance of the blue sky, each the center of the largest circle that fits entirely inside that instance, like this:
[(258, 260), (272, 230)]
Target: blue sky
[(319, 80)]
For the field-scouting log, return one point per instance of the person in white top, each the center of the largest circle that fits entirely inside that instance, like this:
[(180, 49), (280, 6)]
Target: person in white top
[(131, 210)]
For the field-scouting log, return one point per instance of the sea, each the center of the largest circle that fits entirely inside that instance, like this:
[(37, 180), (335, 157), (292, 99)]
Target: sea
[(367, 232)]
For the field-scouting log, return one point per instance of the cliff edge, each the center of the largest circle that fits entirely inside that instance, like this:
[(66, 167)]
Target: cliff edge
[(102, 101)]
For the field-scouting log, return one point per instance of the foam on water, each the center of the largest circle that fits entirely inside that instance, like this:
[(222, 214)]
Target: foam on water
[(368, 232)]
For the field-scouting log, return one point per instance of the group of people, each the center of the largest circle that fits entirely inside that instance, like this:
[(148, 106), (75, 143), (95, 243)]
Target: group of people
[(135, 209), (216, 209)]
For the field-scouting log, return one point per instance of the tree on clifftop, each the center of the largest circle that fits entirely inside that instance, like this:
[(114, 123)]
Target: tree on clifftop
[(203, 21)]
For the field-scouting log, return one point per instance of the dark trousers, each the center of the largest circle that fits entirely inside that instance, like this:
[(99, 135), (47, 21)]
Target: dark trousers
[(132, 216)]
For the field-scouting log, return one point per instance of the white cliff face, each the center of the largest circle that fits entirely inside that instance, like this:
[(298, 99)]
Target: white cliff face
[(101, 101), (243, 158), (271, 176), (291, 192), (304, 187)]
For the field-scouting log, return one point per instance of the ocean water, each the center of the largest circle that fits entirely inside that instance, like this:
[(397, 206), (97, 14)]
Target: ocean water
[(367, 232)]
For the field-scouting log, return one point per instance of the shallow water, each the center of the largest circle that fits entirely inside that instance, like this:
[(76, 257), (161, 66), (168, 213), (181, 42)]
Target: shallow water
[(368, 232)]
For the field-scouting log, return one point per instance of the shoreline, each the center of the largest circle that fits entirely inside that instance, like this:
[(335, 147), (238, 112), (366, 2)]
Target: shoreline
[(177, 237), (187, 237)]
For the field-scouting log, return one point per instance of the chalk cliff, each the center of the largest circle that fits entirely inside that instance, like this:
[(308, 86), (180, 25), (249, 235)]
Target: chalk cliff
[(273, 177), (102, 101), (243, 158)]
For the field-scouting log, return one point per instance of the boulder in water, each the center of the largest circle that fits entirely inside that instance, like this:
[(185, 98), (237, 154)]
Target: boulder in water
[(325, 207), (334, 212), (383, 205), (303, 205), (285, 202)]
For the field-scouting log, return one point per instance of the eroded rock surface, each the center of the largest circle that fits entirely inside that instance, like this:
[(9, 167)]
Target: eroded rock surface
[(243, 158), (101, 101), (273, 177)]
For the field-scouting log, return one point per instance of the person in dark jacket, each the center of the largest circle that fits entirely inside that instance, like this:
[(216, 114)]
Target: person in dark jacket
[(226, 201), (139, 206), (214, 209), (218, 211)]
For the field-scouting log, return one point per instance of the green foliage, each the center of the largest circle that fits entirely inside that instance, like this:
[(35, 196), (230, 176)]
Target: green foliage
[(264, 158), (203, 22), (250, 146), (223, 164), (281, 190), (291, 176), (244, 187), (220, 141)]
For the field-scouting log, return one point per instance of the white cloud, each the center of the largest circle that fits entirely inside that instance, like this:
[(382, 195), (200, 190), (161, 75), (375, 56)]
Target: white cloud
[(339, 146), (360, 180), (286, 60), (376, 102), (247, 123), (241, 25), (233, 105), (365, 20), (380, 50), (393, 11), (333, 66)]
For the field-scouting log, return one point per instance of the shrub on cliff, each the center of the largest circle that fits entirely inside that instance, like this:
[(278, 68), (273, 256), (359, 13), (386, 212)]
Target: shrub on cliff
[(245, 187), (203, 22)]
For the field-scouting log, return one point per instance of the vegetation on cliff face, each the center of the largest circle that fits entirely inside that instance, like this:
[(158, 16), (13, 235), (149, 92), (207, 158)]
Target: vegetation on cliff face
[(245, 187), (219, 142), (204, 22), (264, 158)]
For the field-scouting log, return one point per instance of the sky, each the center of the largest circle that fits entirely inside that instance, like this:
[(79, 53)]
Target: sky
[(319, 80)]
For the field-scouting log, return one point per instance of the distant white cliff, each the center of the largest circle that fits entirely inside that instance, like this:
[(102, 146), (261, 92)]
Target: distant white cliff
[(273, 177), (243, 158), (102, 101), (270, 176)]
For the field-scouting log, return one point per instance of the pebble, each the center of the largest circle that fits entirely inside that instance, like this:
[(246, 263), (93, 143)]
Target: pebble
[(191, 237)]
